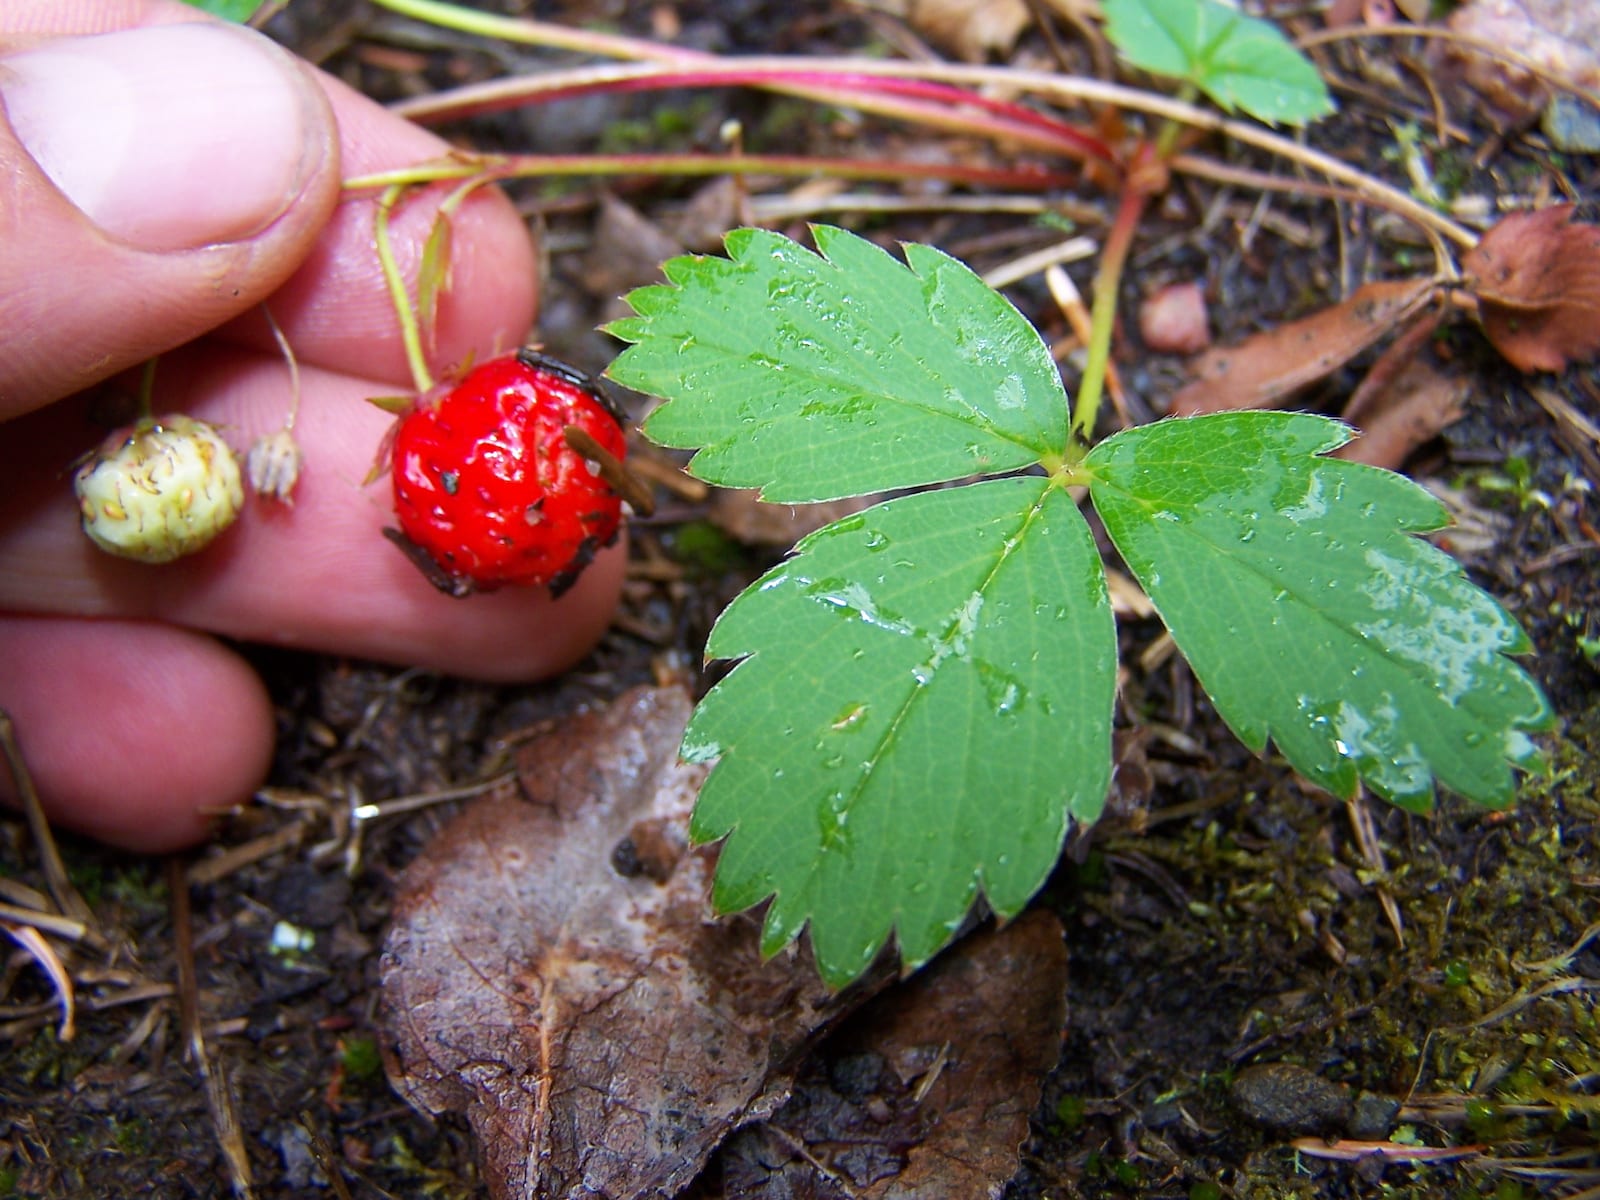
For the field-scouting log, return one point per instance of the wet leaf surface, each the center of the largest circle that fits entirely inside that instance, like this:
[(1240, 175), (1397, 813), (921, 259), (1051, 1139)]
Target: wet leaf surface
[(553, 972), (1293, 585), (924, 1093), (923, 707), (1239, 61), (854, 352), (1536, 276)]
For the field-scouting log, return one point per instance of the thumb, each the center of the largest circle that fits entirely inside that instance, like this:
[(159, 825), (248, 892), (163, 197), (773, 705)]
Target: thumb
[(158, 181)]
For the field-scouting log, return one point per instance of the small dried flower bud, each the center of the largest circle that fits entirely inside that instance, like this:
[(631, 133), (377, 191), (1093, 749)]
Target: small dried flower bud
[(159, 489), (273, 466)]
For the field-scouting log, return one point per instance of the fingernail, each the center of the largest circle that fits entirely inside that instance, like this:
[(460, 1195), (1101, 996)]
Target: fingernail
[(169, 137)]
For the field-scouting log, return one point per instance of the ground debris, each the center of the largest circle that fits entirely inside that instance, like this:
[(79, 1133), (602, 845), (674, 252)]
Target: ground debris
[(600, 1031), (1290, 1099), (1552, 41), (926, 1092)]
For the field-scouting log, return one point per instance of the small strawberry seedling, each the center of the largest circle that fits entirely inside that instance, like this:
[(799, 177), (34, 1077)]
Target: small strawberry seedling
[(922, 705), (1238, 61)]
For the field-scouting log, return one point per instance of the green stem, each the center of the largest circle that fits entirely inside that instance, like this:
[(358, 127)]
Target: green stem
[(495, 168), (147, 385), (410, 332), (1103, 315), (1167, 136)]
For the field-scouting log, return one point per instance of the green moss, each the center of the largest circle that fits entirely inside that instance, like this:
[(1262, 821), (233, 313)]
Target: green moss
[(360, 1058)]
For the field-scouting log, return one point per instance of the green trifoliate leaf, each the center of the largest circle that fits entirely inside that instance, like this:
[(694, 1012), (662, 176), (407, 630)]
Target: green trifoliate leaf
[(816, 376), (923, 708), (1239, 61), (1294, 586)]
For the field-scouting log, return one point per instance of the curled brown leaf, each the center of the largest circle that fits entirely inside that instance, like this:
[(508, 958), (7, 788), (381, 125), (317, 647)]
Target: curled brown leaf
[(1536, 277)]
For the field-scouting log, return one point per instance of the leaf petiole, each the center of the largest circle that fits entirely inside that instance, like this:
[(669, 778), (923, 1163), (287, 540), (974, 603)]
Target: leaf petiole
[(1103, 313), (394, 280)]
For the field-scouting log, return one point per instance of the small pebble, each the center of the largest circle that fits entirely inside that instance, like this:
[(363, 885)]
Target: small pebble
[(1572, 126), (1372, 1116), (1174, 320), (1290, 1099)]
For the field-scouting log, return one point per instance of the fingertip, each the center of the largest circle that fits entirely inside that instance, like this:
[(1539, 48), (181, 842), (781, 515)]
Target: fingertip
[(160, 181), (336, 309), (134, 733)]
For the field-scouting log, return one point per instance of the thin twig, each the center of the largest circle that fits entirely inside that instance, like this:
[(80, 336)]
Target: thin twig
[(612, 469), (1480, 45), (285, 837), (61, 927), (65, 895), (31, 940), (1371, 848), (1072, 250), (1556, 987), (219, 1094), (376, 810)]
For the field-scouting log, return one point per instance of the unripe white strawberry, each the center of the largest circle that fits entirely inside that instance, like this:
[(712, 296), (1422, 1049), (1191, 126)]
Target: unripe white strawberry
[(159, 489)]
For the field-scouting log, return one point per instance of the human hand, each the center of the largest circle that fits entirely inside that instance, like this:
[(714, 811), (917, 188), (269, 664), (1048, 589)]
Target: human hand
[(163, 178)]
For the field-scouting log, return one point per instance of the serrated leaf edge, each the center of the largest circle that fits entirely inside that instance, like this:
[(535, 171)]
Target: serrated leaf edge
[(1339, 434)]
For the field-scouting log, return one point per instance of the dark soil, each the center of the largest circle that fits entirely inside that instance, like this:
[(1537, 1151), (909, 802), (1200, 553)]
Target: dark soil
[(1229, 942)]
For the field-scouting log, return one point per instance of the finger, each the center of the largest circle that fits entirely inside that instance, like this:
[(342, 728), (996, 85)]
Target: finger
[(133, 732), (336, 310), (160, 181), (318, 575)]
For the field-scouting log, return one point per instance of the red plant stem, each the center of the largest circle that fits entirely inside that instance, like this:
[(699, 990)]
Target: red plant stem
[(929, 103), (1069, 89), (1103, 315)]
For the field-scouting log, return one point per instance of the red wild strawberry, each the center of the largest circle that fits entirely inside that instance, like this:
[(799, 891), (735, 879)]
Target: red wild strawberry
[(508, 475)]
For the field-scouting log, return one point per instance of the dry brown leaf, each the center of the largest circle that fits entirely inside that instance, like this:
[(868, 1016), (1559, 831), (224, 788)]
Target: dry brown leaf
[(926, 1092), (1559, 37), (553, 972), (970, 29), (626, 252), (1419, 401), (1536, 277), (712, 210), (740, 514), (1265, 369)]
